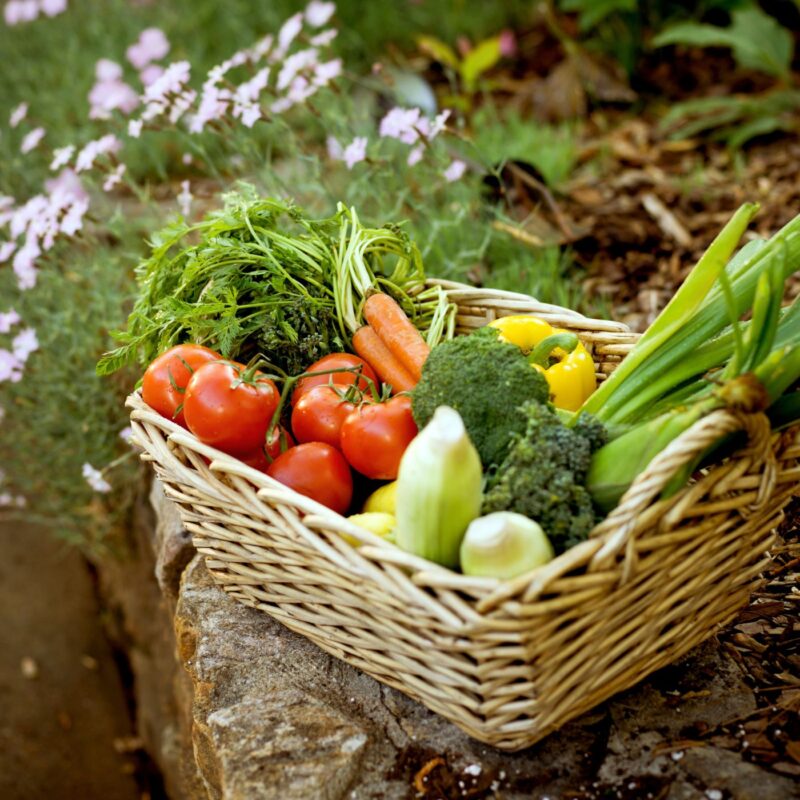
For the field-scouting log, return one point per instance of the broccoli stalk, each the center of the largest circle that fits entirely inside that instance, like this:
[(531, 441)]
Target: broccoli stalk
[(485, 380), (544, 474)]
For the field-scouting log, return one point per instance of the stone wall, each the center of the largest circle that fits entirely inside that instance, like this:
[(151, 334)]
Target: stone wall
[(233, 705)]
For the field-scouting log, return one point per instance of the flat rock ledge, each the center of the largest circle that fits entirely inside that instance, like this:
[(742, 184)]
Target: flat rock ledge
[(236, 706)]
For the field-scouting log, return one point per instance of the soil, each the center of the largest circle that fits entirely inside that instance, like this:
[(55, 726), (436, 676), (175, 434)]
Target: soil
[(65, 728)]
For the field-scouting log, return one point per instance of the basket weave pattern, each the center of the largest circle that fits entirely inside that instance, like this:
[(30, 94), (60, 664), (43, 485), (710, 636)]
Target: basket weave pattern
[(506, 662)]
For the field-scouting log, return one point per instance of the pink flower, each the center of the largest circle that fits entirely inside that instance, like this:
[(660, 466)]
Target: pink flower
[(6, 251), (72, 221), (106, 96), (24, 265), (10, 367), (151, 74), (135, 128), (8, 320), (18, 114), (185, 198), (24, 343), (326, 72), (92, 150), (114, 178), (152, 45), (107, 70), (400, 123), (323, 39), (213, 105), (335, 151), (354, 152), (415, 155), (251, 115), (175, 77), (318, 13), (508, 43), (31, 140), (288, 33), (53, 7), (455, 171), (17, 11), (62, 156), (68, 185), (94, 477), (294, 64)]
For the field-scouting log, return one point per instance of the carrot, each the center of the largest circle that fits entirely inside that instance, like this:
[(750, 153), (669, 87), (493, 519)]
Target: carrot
[(397, 332), (371, 348)]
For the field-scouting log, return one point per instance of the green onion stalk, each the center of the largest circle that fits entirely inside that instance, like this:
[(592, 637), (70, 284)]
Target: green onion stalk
[(694, 333)]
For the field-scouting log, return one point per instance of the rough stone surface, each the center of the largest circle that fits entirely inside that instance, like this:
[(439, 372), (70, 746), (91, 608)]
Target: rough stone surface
[(139, 618), (263, 714)]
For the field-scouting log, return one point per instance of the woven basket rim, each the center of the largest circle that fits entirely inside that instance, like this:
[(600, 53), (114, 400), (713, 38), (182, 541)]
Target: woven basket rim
[(607, 541)]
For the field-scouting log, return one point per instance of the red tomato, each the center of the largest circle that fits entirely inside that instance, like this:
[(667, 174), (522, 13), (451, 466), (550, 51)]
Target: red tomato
[(227, 413), (335, 361), (319, 414), (164, 382), (318, 471), (261, 458), (375, 436)]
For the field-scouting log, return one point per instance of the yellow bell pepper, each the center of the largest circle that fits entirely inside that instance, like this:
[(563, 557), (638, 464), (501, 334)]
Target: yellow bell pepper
[(556, 353)]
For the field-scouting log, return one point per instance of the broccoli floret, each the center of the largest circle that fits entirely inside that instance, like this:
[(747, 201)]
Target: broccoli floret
[(544, 475), (485, 380)]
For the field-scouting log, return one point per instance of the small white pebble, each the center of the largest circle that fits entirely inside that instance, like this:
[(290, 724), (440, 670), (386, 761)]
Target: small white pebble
[(473, 769), (29, 668), (713, 794), (678, 755)]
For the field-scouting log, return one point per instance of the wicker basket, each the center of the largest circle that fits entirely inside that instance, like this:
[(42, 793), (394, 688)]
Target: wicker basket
[(506, 662)]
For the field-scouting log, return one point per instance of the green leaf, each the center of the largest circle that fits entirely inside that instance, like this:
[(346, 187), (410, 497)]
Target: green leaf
[(758, 41), (480, 59), (593, 12), (438, 50)]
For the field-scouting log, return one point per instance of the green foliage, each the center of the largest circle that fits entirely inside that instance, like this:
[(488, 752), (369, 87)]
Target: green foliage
[(485, 380), (757, 40), (61, 415), (592, 12), (734, 119), (502, 137), (544, 475), (261, 278)]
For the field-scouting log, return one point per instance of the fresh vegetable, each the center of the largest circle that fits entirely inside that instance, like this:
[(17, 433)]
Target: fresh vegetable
[(438, 489), (377, 522), (164, 381), (320, 414), (391, 371), (318, 471), (544, 474), (230, 406), (557, 353), (375, 435), (367, 381), (693, 334), (615, 466), (485, 380), (397, 332), (261, 277), (750, 364), (279, 441), (383, 499), (504, 545)]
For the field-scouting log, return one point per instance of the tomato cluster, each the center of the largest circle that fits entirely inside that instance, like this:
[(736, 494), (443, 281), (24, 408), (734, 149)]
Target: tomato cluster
[(336, 422)]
